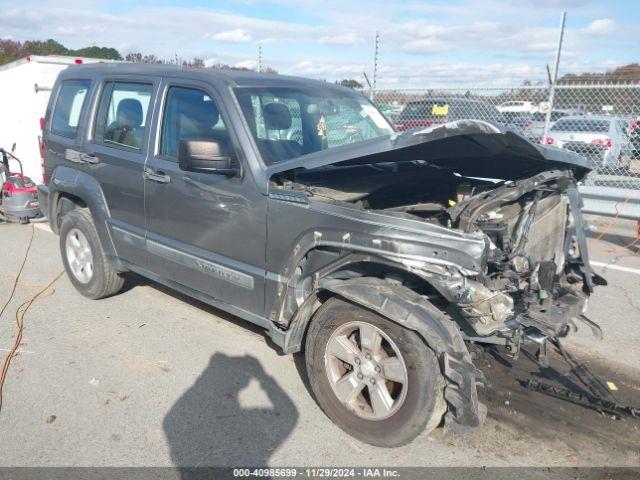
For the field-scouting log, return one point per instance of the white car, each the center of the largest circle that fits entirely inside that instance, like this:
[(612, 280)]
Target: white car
[(518, 106), (603, 140)]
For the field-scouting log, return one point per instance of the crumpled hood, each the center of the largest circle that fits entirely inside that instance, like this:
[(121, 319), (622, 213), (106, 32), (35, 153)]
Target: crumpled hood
[(471, 148)]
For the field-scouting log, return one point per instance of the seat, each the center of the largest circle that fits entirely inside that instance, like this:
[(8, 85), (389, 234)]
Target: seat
[(197, 119), (278, 117), (126, 128)]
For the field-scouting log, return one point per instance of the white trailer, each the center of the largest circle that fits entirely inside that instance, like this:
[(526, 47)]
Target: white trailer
[(25, 87)]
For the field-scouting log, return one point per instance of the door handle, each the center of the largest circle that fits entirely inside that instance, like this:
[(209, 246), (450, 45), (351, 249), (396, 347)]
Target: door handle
[(158, 176), (89, 158)]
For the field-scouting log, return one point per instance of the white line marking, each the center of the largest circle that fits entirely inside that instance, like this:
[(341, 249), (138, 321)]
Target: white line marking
[(613, 266), (43, 226), (17, 351)]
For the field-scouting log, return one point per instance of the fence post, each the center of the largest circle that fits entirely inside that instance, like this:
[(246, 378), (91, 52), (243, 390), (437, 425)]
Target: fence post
[(552, 87), (372, 86)]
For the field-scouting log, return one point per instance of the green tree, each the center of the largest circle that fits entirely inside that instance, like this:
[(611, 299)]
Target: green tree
[(98, 52), (48, 47), (351, 83), (10, 51)]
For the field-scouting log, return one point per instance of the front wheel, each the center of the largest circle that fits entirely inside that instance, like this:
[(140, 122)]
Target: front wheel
[(84, 259), (375, 379)]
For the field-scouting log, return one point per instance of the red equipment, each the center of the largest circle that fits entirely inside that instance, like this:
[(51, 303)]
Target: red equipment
[(19, 196)]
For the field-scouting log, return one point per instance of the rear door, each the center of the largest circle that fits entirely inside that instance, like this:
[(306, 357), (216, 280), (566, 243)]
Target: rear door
[(115, 153), (206, 231)]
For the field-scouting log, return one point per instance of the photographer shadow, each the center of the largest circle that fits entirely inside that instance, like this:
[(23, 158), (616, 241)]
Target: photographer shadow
[(208, 426)]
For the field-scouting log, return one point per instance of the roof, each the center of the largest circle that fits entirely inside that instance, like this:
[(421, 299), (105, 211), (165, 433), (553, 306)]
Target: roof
[(447, 100), (52, 59), (231, 77), (607, 118)]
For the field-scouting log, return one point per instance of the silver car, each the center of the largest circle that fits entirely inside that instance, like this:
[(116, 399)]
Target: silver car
[(603, 140)]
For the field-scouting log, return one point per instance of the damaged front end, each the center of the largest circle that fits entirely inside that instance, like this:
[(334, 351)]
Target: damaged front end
[(537, 277), (472, 220)]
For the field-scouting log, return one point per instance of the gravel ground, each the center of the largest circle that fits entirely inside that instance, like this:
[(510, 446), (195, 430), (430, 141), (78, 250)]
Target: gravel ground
[(152, 378)]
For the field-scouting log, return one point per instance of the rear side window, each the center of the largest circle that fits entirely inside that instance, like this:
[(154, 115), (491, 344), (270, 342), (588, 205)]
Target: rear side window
[(122, 115), (66, 113), (581, 125)]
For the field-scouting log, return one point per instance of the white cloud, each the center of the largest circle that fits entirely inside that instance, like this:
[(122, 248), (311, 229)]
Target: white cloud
[(601, 26), (342, 39), (250, 64), (212, 62), (427, 45), (237, 35), (326, 69), (422, 43)]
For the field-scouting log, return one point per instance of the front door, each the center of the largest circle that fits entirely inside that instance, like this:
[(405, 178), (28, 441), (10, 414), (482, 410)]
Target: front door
[(206, 231)]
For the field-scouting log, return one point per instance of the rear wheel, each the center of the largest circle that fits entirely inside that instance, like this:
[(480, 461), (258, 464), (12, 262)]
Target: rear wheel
[(375, 379), (84, 259)]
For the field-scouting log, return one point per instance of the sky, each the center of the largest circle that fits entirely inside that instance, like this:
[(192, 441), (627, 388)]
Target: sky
[(422, 43)]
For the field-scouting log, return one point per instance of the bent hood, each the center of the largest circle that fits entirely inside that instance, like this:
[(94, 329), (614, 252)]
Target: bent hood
[(472, 148)]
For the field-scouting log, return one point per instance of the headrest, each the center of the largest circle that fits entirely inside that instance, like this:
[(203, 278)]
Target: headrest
[(205, 114), (129, 113), (276, 116)]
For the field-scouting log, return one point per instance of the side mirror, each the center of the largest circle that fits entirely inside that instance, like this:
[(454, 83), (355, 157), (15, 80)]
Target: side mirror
[(205, 156)]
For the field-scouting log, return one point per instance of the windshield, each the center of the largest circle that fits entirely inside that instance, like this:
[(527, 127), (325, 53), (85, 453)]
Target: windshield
[(291, 122), (581, 125)]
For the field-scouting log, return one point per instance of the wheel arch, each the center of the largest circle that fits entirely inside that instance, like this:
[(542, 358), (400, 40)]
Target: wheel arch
[(69, 189), (410, 310)]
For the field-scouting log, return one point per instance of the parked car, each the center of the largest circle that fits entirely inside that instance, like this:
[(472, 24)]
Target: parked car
[(433, 111), (532, 125), (382, 259), (634, 135), (603, 140), (518, 106)]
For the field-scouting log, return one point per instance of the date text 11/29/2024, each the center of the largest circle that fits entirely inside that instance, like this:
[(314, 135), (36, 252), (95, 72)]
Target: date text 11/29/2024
[(316, 472)]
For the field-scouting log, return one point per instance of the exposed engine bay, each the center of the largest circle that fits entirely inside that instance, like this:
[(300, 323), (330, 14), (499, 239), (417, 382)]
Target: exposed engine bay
[(533, 283)]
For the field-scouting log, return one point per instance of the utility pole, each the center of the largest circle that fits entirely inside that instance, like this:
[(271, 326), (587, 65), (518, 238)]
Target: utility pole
[(375, 66), (259, 58), (552, 87)]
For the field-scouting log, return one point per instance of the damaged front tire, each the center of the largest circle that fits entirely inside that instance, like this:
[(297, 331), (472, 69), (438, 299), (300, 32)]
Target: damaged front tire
[(375, 379)]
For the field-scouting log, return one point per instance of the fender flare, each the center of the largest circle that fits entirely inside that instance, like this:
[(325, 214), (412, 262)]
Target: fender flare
[(407, 308), (83, 186)]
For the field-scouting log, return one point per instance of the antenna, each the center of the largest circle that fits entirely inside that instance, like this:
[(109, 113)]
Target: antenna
[(259, 58)]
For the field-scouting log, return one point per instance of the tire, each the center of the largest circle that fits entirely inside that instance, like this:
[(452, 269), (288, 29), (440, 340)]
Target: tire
[(98, 281), (417, 409)]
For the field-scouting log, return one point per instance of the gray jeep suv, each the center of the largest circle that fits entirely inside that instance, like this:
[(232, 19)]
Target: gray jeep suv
[(382, 255)]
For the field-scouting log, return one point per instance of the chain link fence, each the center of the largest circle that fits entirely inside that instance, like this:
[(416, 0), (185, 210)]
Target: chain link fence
[(600, 122)]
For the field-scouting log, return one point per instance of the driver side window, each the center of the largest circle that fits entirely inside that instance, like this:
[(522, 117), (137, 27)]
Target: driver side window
[(190, 114)]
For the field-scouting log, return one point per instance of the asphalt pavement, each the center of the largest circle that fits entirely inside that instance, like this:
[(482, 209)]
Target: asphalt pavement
[(152, 378)]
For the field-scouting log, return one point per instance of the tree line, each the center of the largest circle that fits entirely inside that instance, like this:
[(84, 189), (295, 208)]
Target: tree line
[(11, 50)]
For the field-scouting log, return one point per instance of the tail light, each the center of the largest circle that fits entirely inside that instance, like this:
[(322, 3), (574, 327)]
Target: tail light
[(43, 152), (604, 142), (549, 141), (634, 126)]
